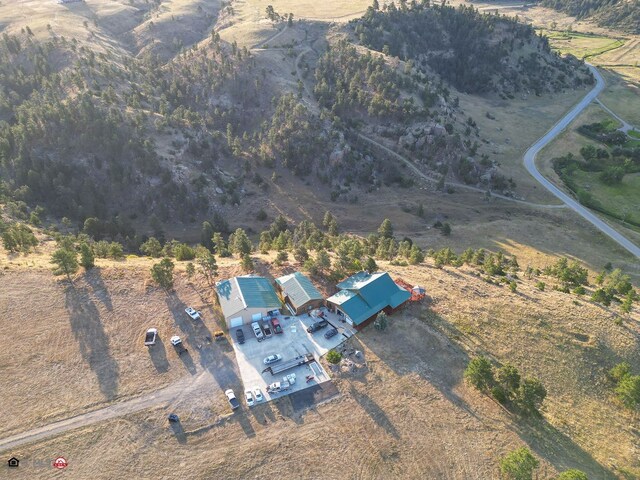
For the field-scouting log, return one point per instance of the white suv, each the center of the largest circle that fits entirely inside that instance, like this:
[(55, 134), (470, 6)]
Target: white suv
[(258, 331)]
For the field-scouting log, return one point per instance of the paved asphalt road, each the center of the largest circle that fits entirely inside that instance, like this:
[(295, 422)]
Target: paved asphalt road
[(530, 165)]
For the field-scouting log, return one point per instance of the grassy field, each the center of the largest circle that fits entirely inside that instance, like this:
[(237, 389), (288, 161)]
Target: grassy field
[(622, 199), (406, 414), (581, 45)]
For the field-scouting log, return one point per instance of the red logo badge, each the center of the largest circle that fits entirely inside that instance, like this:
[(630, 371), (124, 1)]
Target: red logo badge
[(60, 463)]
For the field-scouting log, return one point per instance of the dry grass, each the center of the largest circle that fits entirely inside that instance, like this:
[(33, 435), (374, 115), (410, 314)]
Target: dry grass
[(407, 414)]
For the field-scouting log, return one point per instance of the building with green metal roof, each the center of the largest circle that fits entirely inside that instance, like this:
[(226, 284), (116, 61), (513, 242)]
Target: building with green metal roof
[(363, 295), (298, 293), (246, 299)]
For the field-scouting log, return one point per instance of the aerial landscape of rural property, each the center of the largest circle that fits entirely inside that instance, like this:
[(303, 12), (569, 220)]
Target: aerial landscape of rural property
[(365, 239)]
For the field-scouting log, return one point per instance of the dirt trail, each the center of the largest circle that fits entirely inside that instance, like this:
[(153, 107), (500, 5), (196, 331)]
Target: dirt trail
[(160, 397)]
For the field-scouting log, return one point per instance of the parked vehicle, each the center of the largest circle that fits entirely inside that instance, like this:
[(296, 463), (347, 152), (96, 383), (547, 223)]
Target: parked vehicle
[(173, 418), (240, 336), (176, 341), (276, 357), (218, 335), (291, 378), (151, 337), (248, 396), (277, 387), (195, 315), (331, 333), (317, 326), (233, 401), (258, 394), (277, 328), (257, 331), (266, 328)]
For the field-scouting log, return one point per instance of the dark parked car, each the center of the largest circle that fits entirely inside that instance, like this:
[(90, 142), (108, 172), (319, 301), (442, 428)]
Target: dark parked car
[(317, 326), (331, 333), (277, 328), (266, 328), (173, 418), (240, 336)]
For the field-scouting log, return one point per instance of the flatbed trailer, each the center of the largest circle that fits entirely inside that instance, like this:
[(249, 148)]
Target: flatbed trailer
[(289, 364)]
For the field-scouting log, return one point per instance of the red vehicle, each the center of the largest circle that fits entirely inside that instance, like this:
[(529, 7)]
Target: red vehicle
[(277, 328)]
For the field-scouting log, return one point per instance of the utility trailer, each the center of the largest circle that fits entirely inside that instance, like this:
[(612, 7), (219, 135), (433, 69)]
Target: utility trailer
[(289, 364)]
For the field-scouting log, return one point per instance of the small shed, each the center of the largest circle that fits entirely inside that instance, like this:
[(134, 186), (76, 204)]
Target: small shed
[(298, 293), (246, 299)]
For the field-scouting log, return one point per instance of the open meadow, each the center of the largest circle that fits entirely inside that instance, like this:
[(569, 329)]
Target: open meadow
[(404, 413)]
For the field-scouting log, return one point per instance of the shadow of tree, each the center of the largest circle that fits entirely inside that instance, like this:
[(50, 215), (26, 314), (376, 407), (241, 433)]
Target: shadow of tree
[(92, 339), (94, 278), (198, 337), (158, 354), (375, 412)]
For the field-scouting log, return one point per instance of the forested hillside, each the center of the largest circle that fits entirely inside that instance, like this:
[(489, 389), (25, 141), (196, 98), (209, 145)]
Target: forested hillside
[(475, 52), (620, 14)]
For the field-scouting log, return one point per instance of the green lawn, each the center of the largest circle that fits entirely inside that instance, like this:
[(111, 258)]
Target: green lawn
[(622, 200), (581, 45)]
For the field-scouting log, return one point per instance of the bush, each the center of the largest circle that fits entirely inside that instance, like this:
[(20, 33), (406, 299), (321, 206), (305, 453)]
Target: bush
[(499, 394), (572, 474), (184, 252), (151, 248), (87, 258), (334, 357), (115, 251), (513, 286), (381, 321), (628, 391), (579, 290), (519, 464), (531, 394), (162, 273), (101, 249), (540, 286), (479, 373)]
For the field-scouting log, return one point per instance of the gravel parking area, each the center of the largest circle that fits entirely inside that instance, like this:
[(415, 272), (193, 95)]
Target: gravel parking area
[(293, 342)]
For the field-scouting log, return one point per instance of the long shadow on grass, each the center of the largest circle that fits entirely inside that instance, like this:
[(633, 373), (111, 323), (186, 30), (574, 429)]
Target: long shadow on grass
[(198, 338), (100, 291), (428, 349), (375, 412), (92, 339)]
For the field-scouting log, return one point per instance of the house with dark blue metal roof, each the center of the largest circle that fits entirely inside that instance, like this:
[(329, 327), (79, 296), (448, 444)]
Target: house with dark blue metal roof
[(363, 295)]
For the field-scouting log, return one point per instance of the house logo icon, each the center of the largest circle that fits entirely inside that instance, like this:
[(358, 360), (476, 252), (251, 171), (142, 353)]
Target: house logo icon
[(13, 462)]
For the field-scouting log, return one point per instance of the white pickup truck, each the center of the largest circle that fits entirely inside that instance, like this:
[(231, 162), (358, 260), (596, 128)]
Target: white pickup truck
[(151, 337), (193, 313)]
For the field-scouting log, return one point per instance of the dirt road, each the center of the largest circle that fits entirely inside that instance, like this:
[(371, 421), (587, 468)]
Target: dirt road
[(160, 397)]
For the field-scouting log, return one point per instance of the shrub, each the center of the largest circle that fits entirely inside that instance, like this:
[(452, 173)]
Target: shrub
[(381, 322), (162, 273), (87, 258), (519, 464), (66, 262), (579, 290), (531, 394), (540, 286), (184, 252), (334, 357), (479, 373), (513, 286), (115, 251), (572, 474), (628, 391), (499, 394), (151, 248)]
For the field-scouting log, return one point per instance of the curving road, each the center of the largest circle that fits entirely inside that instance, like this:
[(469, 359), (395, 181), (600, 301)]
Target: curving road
[(530, 165)]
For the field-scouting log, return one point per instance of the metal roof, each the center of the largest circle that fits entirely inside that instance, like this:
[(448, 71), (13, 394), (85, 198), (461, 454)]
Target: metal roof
[(298, 288), (363, 295), (250, 291)]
